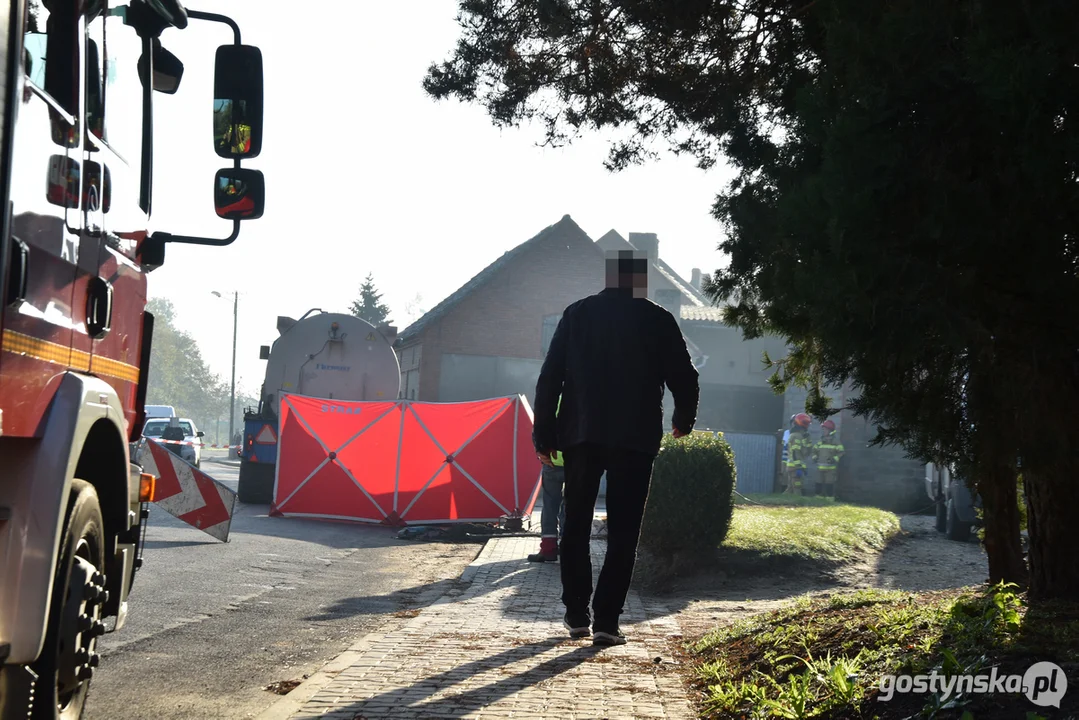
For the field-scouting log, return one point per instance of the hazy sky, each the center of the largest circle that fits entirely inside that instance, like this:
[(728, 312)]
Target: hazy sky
[(365, 173)]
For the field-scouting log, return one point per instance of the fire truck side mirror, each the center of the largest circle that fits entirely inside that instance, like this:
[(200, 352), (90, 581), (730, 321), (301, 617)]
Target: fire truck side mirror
[(238, 102), (239, 194), (168, 69)]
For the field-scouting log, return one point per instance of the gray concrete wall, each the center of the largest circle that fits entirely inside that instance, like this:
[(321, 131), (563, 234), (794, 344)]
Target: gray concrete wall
[(733, 360)]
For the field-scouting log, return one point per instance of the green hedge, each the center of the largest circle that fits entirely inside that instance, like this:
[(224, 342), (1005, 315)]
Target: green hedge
[(690, 502)]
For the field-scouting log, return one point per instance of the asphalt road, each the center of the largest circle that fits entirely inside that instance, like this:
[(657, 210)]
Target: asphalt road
[(212, 624)]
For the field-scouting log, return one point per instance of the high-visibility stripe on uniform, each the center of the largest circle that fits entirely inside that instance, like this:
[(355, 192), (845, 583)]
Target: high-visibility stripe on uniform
[(799, 447), (827, 454)]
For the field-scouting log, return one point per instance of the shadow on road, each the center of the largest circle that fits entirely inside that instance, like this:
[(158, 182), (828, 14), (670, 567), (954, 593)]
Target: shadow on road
[(917, 559), (162, 544), (513, 574), (477, 698)]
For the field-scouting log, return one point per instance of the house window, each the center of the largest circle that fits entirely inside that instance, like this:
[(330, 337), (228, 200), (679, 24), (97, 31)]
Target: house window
[(550, 324)]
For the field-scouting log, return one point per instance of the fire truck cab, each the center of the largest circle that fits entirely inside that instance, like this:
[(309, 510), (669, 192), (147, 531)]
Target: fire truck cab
[(77, 85)]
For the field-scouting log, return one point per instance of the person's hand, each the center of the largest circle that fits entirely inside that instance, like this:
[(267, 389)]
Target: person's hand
[(545, 458), (677, 433)]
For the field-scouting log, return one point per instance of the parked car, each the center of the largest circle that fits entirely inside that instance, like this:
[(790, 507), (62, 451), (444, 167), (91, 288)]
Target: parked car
[(191, 452), (956, 503)]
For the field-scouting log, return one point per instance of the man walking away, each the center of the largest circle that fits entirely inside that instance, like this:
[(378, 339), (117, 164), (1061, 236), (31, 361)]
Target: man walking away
[(610, 357), (553, 513), (826, 453)]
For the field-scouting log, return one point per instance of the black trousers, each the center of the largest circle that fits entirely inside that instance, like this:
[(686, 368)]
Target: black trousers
[(628, 476)]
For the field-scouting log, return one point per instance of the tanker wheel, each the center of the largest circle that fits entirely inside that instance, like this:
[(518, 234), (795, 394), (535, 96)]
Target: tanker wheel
[(68, 657), (255, 486), (942, 515)]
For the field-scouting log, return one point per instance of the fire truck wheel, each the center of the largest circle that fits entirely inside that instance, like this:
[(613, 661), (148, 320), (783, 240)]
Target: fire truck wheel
[(69, 655)]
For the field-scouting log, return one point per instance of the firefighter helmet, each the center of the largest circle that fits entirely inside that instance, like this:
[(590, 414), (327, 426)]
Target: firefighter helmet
[(828, 425), (802, 420)]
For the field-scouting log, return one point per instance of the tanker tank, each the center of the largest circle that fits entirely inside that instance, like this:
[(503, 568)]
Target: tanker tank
[(323, 355)]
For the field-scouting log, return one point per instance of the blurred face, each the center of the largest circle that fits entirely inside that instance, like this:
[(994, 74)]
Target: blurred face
[(628, 270)]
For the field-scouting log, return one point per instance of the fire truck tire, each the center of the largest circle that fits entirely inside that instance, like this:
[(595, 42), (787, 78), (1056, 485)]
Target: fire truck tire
[(256, 483), (69, 656)]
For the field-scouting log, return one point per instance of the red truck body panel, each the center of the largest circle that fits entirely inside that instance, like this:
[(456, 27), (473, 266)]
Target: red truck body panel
[(79, 224)]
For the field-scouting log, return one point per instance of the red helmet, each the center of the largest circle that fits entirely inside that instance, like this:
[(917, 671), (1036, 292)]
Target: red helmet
[(802, 420), (828, 425)]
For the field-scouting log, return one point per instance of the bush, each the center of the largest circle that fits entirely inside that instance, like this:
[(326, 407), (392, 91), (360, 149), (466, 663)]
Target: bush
[(689, 505)]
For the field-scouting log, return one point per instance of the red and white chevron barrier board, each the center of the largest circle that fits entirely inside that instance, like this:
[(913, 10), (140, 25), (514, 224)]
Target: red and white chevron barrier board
[(187, 493)]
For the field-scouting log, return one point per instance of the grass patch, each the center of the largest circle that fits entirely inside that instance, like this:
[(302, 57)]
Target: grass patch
[(824, 657), (826, 534)]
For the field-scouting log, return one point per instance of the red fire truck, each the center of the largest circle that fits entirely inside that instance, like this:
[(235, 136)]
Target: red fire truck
[(77, 85)]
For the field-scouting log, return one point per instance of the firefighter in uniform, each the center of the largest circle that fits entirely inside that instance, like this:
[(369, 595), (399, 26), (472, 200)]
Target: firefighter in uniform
[(826, 453), (798, 452)]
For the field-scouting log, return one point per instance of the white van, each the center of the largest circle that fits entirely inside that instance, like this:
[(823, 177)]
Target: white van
[(160, 411)]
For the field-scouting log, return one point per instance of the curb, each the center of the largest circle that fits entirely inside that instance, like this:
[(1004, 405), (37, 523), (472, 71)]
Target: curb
[(292, 703)]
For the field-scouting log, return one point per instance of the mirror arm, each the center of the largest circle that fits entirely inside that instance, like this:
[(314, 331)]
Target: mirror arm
[(165, 237), (214, 17)]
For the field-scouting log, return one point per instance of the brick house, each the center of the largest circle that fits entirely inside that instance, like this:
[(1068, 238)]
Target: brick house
[(488, 338)]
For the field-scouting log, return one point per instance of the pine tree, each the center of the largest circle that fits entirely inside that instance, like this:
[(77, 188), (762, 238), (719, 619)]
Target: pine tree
[(369, 305)]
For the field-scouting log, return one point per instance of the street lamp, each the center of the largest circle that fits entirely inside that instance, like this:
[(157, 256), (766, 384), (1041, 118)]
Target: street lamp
[(232, 393)]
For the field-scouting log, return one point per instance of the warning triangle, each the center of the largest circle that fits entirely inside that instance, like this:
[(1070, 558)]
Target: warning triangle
[(370, 337), (266, 436)]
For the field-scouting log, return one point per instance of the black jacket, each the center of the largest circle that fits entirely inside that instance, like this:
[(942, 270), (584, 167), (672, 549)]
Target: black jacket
[(610, 358)]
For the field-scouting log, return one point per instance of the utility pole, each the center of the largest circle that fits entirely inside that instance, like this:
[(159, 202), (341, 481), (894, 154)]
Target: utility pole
[(232, 396), (235, 325)]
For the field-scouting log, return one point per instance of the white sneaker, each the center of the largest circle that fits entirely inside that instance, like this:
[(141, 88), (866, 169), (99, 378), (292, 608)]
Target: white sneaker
[(600, 637)]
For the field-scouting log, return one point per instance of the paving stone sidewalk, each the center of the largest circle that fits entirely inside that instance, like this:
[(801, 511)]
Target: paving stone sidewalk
[(495, 647)]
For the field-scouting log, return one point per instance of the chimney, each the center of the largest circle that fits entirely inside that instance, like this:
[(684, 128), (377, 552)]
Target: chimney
[(388, 331), (695, 278), (647, 243)]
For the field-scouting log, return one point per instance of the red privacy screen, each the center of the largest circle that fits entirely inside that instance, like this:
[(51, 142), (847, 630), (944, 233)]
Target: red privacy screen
[(405, 462)]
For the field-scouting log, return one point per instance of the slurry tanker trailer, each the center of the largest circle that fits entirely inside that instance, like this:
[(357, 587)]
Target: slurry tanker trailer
[(323, 355)]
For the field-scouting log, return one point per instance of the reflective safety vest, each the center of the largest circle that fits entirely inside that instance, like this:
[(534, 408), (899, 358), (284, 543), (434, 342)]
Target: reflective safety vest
[(827, 452), (799, 449), (556, 457)]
